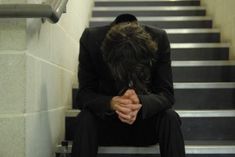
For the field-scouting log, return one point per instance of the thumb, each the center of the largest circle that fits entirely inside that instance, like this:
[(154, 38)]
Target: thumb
[(129, 92)]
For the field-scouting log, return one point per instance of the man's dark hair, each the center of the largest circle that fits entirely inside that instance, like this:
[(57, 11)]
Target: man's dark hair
[(129, 52)]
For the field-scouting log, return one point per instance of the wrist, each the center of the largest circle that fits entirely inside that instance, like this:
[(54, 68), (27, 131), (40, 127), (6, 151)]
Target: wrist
[(112, 103)]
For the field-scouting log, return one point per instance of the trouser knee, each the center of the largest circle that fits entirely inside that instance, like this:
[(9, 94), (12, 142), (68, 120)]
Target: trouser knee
[(172, 116), (85, 118)]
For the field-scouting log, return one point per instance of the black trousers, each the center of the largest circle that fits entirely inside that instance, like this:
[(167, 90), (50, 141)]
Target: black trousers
[(93, 131)]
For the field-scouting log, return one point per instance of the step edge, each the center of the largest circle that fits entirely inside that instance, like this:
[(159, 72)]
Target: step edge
[(204, 85), (182, 113), (149, 8), (207, 63), (191, 31), (199, 45)]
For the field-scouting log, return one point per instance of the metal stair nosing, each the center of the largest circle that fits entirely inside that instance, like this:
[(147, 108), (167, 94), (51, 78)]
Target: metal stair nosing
[(182, 113)]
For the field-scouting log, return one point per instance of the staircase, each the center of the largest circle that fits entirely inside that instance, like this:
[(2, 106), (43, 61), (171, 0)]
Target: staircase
[(204, 78)]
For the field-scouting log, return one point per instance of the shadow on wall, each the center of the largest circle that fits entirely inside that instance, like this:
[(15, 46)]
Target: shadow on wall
[(223, 15)]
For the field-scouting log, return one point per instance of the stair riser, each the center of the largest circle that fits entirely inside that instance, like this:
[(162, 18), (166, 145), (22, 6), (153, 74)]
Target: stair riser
[(204, 74), (168, 24), (194, 38), (146, 3), (69, 128), (200, 54), (212, 128), (74, 101), (204, 98), (205, 128), (150, 13)]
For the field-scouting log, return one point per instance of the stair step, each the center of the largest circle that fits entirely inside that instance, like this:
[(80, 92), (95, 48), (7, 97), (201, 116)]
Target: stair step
[(193, 35), (162, 22), (208, 128), (196, 124), (217, 95), (203, 71), (147, 3), (199, 51), (150, 11), (192, 148)]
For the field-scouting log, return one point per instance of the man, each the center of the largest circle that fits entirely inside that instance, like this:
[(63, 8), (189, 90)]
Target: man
[(126, 90)]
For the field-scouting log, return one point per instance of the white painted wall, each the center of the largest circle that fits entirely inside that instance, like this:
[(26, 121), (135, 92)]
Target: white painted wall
[(223, 14), (38, 70)]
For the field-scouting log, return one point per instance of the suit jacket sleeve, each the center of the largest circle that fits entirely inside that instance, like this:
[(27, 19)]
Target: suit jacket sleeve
[(162, 96), (87, 95)]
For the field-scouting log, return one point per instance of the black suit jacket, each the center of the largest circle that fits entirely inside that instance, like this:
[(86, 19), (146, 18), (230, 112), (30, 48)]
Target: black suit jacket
[(97, 87)]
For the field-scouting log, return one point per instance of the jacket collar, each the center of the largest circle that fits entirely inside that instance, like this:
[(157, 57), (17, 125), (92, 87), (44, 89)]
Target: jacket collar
[(124, 18)]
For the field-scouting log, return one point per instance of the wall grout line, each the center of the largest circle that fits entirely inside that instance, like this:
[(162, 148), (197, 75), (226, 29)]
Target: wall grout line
[(68, 34), (50, 63), (16, 115)]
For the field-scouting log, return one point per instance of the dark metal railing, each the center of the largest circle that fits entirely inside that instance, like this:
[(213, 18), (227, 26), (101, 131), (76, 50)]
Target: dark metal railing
[(51, 11)]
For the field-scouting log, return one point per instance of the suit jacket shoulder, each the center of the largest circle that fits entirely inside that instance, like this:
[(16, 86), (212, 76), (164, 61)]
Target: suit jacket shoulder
[(94, 36)]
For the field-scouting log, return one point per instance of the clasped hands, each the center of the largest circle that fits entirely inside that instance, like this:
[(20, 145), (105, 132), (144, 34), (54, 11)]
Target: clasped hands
[(126, 106)]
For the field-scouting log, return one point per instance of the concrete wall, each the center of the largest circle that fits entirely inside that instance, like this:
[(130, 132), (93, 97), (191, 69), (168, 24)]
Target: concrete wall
[(37, 72), (223, 14)]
